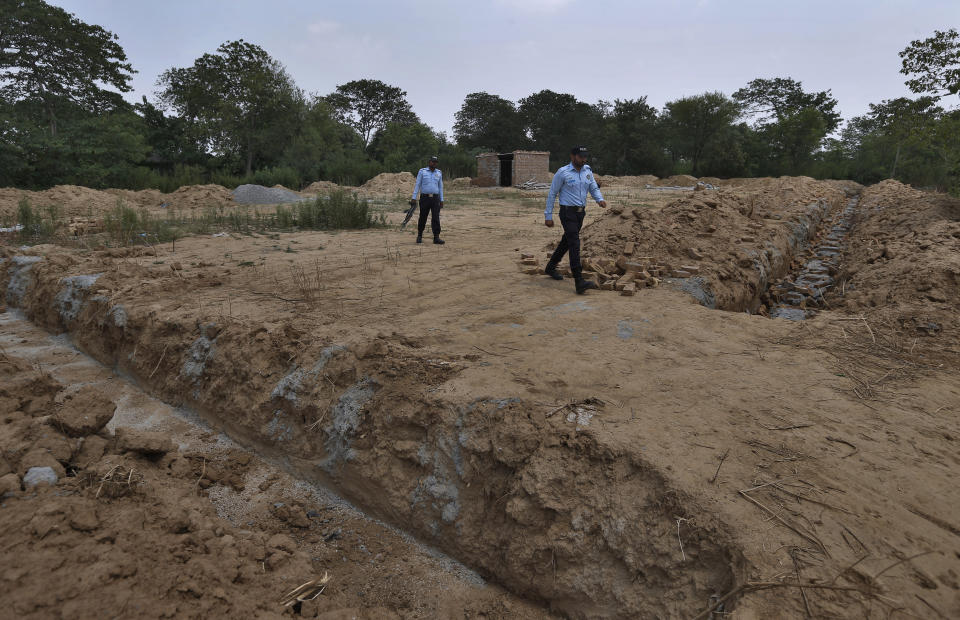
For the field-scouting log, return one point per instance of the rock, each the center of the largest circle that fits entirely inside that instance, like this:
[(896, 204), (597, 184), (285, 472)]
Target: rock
[(532, 271), (143, 442), (40, 475), (680, 273), (529, 261), (628, 248), (694, 254), (60, 447), (41, 459), (936, 295), (84, 519), (83, 412), (525, 256), (692, 269), (609, 285), (9, 485), (748, 239), (633, 266), (281, 542), (629, 290)]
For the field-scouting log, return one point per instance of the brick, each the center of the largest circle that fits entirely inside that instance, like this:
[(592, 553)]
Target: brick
[(623, 281), (680, 273), (609, 285), (629, 289), (692, 269), (529, 261), (628, 248), (633, 266)]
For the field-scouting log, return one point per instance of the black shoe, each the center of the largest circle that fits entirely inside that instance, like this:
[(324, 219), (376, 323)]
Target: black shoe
[(585, 285), (419, 239), (438, 241), (553, 273)]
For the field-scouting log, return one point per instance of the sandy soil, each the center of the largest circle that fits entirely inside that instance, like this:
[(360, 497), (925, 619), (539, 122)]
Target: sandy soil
[(203, 529), (604, 456)]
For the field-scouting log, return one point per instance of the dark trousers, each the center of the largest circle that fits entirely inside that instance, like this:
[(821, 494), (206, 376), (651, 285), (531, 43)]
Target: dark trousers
[(429, 207), (571, 218)]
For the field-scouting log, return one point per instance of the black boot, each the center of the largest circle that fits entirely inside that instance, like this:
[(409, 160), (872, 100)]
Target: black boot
[(583, 285), (419, 238), (551, 270), (438, 241)]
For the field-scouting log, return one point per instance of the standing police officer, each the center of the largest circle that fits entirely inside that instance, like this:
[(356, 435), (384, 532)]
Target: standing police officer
[(430, 186), (572, 183)]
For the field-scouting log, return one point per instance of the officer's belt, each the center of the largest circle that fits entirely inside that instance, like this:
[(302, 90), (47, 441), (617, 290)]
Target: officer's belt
[(428, 195), (575, 209)]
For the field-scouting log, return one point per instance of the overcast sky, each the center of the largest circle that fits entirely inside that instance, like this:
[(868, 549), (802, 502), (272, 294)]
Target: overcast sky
[(600, 49)]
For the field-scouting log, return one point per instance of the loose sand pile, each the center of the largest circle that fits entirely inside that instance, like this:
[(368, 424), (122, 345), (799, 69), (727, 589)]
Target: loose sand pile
[(390, 183), (626, 181), (904, 259), (73, 200), (715, 235), (320, 187)]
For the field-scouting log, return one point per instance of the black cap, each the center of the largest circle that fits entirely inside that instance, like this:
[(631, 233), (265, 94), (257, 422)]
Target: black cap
[(434, 158), (579, 150)]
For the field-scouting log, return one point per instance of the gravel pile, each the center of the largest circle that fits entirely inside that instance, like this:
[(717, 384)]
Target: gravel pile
[(259, 195)]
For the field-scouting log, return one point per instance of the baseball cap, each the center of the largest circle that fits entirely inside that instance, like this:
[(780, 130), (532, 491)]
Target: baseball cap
[(579, 150), (434, 158)]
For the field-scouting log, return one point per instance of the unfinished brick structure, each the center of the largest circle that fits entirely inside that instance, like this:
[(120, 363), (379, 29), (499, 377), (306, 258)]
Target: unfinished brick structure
[(507, 169)]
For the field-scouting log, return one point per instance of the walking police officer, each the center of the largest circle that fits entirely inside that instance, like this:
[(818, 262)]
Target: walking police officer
[(430, 186), (571, 184)]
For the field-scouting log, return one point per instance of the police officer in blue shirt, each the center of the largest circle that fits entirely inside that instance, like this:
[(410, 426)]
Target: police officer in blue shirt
[(571, 184), (430, 186)]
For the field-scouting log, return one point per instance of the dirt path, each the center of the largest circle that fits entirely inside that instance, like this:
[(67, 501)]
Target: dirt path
[(564, 446)]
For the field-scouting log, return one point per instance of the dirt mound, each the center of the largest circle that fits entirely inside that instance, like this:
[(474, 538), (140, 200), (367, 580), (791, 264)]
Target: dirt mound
[(677, 180), (483, 182), (193, 196), (319, 187), (904, 264), (723, 245), (390, 183), (74, 200), (627, 181), (460, 183)]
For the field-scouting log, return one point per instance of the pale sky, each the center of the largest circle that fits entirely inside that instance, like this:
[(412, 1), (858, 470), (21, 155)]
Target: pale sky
[(602, 49)]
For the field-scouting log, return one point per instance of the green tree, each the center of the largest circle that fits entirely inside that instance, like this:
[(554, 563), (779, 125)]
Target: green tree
[(489, 121), (631, 139), (556, 121), (244, 101), (53, 60), (773, 100), (696, 123), (934, 63), (404, 146), (368, 105)]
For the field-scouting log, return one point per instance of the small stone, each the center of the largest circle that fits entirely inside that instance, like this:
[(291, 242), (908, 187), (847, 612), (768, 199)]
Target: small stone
[(532, 271), (9, 485), (525, 256), (609, 285), (680, 273), (692, 269), (282, 542), (628, 248), (694, 254), (143, 442), (936, 295), (629, 290), (176, 267), (633, 266), (748, 239), (41, 459), (39, 475), (529, 261)]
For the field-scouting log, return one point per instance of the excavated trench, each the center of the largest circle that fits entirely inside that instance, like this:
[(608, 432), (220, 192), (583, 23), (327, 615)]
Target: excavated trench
[(537, 503), (798, 295)]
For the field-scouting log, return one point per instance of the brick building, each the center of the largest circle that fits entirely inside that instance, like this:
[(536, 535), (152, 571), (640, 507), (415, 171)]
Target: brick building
[(508, 169)]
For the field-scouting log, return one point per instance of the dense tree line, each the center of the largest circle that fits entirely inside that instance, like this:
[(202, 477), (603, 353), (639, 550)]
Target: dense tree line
[(236, 115)]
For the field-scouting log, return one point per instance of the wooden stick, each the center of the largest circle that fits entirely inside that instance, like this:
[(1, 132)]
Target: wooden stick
[(806, 536), (717, 473)]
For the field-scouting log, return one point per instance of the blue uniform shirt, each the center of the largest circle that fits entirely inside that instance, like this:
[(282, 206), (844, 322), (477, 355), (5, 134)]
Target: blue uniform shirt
[(429, 182), (572, 186)]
